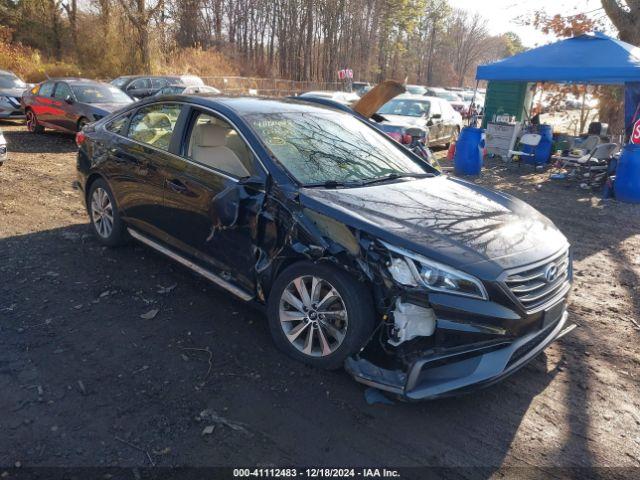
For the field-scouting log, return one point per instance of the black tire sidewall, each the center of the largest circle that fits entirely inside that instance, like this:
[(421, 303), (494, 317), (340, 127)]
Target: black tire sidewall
[(358, 302), (118, 233)]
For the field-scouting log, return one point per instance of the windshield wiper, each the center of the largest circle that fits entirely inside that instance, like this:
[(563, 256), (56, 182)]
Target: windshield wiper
[(336, 184), (395, 176)]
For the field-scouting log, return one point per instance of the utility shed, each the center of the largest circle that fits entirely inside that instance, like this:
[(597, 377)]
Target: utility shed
[(506, 98)]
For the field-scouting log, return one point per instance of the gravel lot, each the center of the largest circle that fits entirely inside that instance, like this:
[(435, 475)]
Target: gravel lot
[(87, 380)]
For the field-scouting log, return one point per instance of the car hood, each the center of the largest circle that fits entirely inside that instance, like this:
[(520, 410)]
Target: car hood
[(12, 92), (446, 219), (405, 120)]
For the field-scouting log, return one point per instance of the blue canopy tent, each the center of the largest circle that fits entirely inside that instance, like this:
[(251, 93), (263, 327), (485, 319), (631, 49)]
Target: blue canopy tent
[(586, 59)]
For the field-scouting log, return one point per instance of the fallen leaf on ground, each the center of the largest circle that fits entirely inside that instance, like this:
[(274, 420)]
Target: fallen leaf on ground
[(150, 314)]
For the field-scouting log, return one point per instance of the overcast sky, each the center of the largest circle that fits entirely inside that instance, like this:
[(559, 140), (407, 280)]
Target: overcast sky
[(502, 14)]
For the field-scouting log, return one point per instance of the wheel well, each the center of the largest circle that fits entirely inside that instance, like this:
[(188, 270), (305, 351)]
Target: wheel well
[(286, 263)]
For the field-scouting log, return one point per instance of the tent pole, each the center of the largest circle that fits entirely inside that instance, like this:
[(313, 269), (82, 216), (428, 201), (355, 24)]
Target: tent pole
[(473, 102)]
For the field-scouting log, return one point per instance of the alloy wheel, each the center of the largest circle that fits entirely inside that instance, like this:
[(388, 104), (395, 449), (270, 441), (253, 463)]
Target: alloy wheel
[(102, 212), (32, 122), (313, 316)]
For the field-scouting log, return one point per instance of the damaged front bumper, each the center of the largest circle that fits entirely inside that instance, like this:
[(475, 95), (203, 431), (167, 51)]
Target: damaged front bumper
[(459, 370)]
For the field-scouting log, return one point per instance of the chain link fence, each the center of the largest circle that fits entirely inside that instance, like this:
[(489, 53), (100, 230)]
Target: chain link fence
[(271, 87)]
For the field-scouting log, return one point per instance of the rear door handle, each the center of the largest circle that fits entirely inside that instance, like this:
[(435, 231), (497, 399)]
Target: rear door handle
[(177, 186)]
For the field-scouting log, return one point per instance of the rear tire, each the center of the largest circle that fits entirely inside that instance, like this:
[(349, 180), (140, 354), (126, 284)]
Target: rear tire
[(32, 122), (328, 323), (106, 223)]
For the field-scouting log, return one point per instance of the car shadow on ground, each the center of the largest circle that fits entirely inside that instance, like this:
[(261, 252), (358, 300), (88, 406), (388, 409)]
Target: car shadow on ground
[(23, 141), (106, 344)]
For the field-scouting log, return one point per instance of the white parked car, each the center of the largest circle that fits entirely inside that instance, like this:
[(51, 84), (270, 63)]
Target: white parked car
[(3, 148), (432, 113)]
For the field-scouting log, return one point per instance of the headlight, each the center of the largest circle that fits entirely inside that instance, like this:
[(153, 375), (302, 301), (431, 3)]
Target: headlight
[(411, 269)]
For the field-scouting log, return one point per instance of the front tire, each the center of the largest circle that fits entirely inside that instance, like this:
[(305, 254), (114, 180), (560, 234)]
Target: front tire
[(106, 223), (32, 122), (319, 315)]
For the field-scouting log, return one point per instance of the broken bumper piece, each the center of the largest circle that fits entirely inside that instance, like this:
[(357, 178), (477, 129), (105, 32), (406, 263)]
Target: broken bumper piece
[(460, 370)]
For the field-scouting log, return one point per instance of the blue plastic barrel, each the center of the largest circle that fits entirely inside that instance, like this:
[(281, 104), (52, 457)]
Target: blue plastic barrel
[(627, 184), (469, 150), (543, 150)]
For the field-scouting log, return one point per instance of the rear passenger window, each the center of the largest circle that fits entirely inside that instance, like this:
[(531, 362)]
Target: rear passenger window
[(119, 125), (214, 143), (139, 83), (159, 82), (154, 124), (46, 89)]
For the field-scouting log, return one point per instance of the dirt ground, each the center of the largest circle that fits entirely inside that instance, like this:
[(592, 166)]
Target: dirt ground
[(87, 380)]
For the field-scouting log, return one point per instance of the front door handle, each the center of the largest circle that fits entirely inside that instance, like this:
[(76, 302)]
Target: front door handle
[(177, 186)]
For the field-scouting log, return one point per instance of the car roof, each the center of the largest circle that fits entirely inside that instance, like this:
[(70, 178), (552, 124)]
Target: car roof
[(247, 105), (71, 80), (7, 72)]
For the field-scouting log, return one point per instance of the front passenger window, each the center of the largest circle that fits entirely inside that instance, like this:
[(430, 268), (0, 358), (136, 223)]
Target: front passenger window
[(216, 144), (154, 124)]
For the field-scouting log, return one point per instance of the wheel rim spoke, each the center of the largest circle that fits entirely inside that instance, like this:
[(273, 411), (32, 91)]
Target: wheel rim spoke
[(289, 316), (328, 299), (315, 289), (296, 331), (292, 300), (303, 293), (333, 331), (326, 349), (308, 343)]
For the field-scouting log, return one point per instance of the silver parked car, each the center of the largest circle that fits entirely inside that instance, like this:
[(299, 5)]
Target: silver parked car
[(11, 90)]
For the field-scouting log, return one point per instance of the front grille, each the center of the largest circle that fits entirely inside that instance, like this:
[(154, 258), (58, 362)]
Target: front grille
[(535, 287)]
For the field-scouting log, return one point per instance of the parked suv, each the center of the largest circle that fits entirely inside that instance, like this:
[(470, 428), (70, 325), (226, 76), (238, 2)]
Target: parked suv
[(68, 104), (141, 86), (11, 89), (360, 252)]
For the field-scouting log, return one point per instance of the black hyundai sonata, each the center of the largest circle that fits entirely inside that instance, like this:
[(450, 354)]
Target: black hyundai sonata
[(361, 253)]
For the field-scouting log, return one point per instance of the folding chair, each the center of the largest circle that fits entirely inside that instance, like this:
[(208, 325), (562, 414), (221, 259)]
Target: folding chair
[(531, 140), (597, 157)]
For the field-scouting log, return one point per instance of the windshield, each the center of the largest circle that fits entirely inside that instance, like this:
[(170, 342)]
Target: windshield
[(119, 82), (9, 81), (319, 147), (406, 107), (451, 97), (99, 94), (416, 89)]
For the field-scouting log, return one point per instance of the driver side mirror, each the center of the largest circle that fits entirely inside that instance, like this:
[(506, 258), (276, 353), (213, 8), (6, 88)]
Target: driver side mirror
[(68, 99)]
